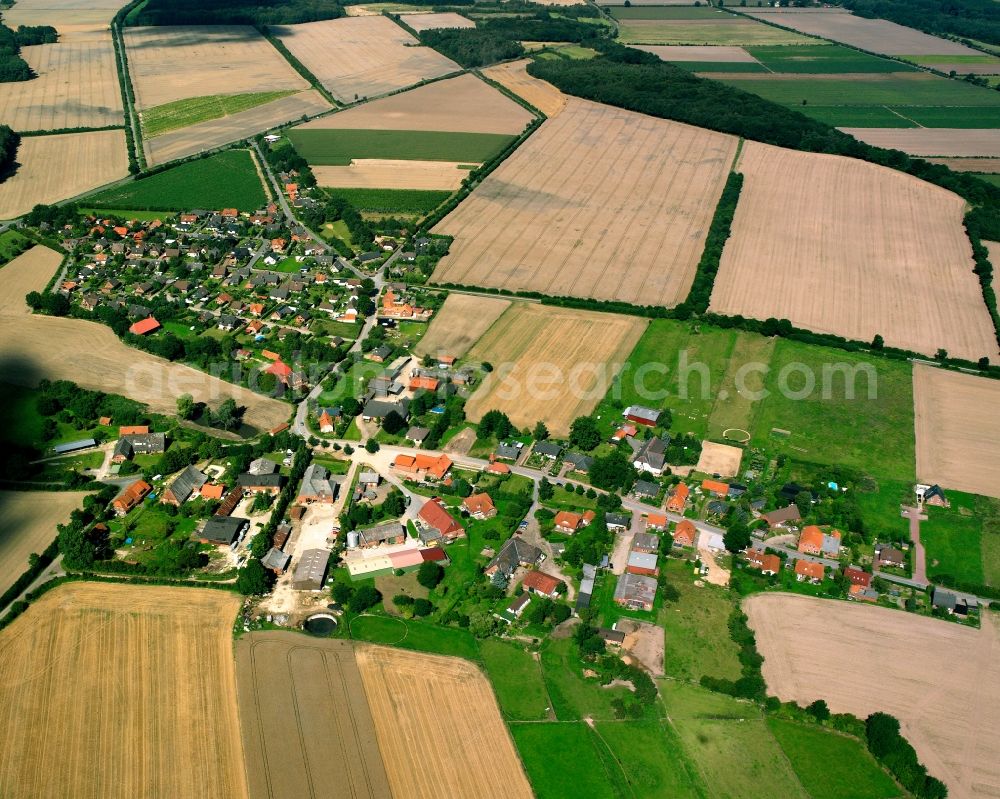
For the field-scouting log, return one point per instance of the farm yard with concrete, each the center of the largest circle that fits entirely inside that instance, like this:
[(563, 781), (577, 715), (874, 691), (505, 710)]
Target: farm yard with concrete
[(76, 86), (844, 261), (418, 700), (35, 347), (866, 659), (598, 203), (305, 718), (356, 57), (958, 439), (97, 690), (553, 364), (65, 165)]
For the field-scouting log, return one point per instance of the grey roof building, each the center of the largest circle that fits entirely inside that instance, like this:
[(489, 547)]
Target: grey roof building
[(508, 452), (642, 560), (617, 521), (636, 591), (586, 586), (276, 560), (652, 457), (262, 466), (224, 529), (644, 488), (379, 409), (645, 542), (515, 552), (310, 570), (318, 485), (184, 485), (579, 461), (388, 531), (73, 446), (548, 448), (139, 444)]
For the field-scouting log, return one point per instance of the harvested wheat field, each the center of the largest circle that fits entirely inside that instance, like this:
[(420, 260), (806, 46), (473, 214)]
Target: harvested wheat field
[(873, 35), (28, 522), (76, 87), (383, 173), (426, 22), (64, 15), (464, 104), (35, 347), (969, 164), (177, 63), (362, 56), (539, 93), (932, 141), (58, 167), (599, 202), (689, 52), (121, 691), (462, 320), (721, 459), (844, 262), (216, 132), (418, 702), (552, 364), (958, 437), (863, 659), (306, 722)]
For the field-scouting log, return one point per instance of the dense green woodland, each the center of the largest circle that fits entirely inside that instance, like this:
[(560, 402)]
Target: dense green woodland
[(9, 141), (12, 66), (969, 19), (233, 12), (472, 47)]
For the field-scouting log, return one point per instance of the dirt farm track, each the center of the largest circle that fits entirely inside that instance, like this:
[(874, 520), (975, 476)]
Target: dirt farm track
[(941, 680), (121, 691), (34, 347)]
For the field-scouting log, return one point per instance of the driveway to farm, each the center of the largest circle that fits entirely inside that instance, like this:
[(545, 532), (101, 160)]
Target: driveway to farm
[(920, 557)]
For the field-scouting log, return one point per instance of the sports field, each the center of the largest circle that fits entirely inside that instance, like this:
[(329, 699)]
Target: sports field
[(305, 718), (28, 522), (224, 180), (552, 364), (58, 167), (855, 225), (419, 700), (76, 85), (357, 57), (817, 649), (958, 439), (459, 324), (97, 691), (339, 147), (461, 104), (599, 203)]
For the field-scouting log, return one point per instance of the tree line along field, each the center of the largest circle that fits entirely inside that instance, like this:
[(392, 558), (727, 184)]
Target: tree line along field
[(817, 649), (358, 57), (61, 166), (843, 262), (590, 206), (552, 364), (97, 692), (874, 435), (33, 348), (225, 180), (340, 147)]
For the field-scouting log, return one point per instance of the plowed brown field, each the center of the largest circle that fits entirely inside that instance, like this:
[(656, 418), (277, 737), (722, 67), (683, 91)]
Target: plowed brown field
[(77, 86), (552, 364), (28, 522), (362, 56), (439, 727), (840, 246), (121, 691), (34, 347), (459, 323), (306, 724), (862, 659), (599, 202), (541, 94), (464, 104), (958, 437), (184, 61), (57, 167)]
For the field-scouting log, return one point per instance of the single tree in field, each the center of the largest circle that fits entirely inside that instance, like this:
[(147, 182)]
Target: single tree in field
[(185, 406), (584, 433)]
